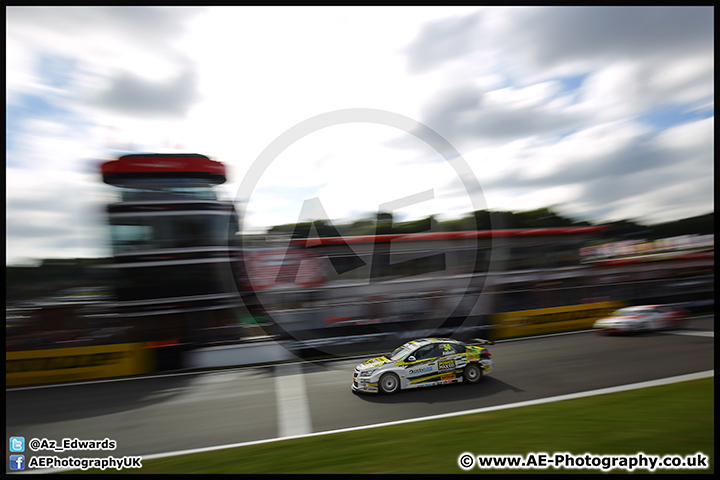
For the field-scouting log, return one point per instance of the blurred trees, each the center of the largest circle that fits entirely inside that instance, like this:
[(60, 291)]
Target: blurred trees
[(24, 283), (384, 223), (700, 225)]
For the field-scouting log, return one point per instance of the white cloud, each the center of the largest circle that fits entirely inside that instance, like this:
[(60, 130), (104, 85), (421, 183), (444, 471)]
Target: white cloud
[(549, 106)]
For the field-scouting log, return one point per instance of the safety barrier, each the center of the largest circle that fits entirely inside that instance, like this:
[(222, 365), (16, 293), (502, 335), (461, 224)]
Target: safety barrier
[(549, 320), (56, 365)]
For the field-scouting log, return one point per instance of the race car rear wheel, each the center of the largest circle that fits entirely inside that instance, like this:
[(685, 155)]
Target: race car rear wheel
[(472, 373), (389, 383)]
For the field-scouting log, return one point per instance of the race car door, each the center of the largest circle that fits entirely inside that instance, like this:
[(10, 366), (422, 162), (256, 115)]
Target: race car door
[(425, 363), (452, 357)]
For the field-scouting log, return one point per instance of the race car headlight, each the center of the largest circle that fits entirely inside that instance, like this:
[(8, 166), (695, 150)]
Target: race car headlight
[(366, 373)]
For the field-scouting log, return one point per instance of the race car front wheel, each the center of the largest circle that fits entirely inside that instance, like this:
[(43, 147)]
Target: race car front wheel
[(472, 373), (389, 383)]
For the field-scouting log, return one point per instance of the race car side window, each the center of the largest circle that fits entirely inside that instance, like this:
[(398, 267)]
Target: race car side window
[(425, 352)]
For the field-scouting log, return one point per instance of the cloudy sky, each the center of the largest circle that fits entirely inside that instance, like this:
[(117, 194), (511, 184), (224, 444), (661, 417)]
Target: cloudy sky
[(600, 113)]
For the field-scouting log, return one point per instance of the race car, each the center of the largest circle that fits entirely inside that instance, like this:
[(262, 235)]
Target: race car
[(424, 363), (643, 318)]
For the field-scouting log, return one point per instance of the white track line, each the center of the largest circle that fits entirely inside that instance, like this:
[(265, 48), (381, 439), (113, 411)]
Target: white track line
[(292, 404), (691, 333)]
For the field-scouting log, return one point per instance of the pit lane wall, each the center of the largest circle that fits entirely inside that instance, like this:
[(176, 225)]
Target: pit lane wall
[(55, 365), (550, 320)]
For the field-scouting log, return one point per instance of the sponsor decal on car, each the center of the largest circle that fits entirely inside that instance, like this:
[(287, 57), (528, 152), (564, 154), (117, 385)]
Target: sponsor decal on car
[(375, 362), (447, 349), (420, 370), (446, 365)]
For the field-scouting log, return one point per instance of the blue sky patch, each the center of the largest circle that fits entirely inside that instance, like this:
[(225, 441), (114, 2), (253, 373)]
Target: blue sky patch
[(571, 83), (667, 116), (57, 71)]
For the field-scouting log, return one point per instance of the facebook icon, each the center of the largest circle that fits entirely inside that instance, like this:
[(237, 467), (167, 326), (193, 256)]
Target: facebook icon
[(17, 462)]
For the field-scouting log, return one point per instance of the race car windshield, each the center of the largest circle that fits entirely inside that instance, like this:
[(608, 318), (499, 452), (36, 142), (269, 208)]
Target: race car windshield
[(400, 353)]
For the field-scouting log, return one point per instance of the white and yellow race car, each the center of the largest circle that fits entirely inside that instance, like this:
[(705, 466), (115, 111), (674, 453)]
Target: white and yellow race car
[(424, 363)]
